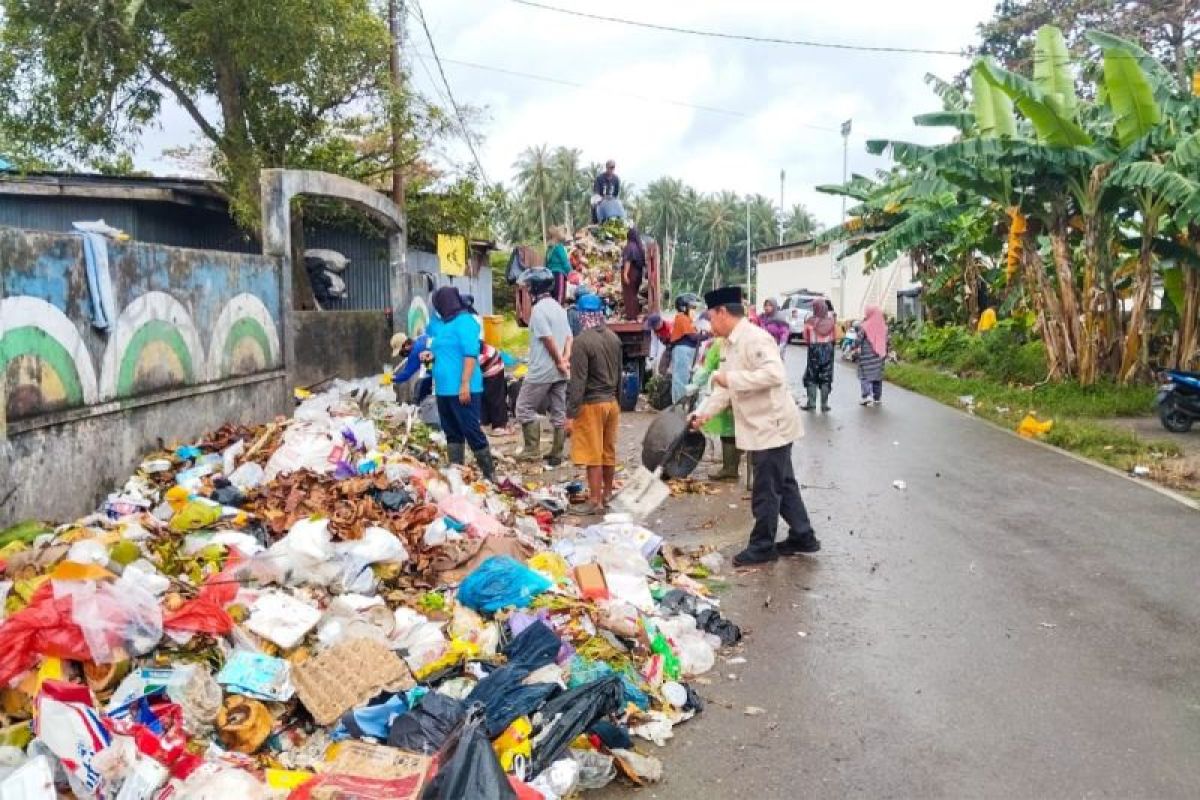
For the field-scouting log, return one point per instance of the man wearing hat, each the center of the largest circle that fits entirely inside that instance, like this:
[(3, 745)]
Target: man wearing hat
[(592, 409), (751, 379), (412, 352)]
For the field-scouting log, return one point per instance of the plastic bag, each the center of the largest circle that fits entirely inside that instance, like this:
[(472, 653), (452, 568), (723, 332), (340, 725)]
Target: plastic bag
[(257, 675), (535, 646), (571, 713), (377, 545), (469, 769), (282, 618), (68, 724), (118, 620), (373, 720), (32, 780), (248, 476), (500, 582), (596, 770), (504, 697), (560, 780), (425, 728), (218, 782), (420, 641)]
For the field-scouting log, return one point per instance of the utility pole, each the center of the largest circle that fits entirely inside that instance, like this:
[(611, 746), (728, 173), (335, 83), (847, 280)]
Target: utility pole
[(749, 286), (396, 15), (567, 218), (782, 208), (845, 177)]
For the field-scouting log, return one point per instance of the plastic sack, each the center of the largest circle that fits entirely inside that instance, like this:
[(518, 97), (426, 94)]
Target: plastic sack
[(690, 645), (559, 780), (68, 724), (419, 641), (118, 620), (571, 713), (469, 768), (218, 782), (33, 779), (501, 582), (282, 618), (1031, 427), (504, 697), (480, 523), (372, 721), (585, 671), (535, 646), (425, 728), (377, 545), (305, 446), (248, 476), (43, 628), (596, 770)]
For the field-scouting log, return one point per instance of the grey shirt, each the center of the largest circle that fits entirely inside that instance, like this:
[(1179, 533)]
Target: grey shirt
[(548, 319)]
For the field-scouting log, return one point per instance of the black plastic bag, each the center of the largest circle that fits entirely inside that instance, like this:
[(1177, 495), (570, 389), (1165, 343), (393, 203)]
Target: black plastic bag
[(391, 499), (677, 601), (227, 494), (614, 737), (571, 713), (534, 647), (469, 768), (710, 621), (504, 698), (426, 728)]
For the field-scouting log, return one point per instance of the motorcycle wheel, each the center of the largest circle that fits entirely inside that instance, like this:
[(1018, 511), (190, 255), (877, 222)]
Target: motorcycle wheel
[(1175, 420)]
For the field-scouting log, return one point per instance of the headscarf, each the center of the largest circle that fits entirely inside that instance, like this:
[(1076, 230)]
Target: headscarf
[(448, 303), (591, 319), (875, 329), (823, 322), (633, 248)]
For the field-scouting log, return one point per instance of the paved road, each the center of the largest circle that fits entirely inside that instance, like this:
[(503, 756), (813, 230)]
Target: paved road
[(1014, 624)]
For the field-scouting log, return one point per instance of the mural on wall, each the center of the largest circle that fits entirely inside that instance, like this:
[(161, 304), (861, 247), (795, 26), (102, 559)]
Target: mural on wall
[(190, 317)]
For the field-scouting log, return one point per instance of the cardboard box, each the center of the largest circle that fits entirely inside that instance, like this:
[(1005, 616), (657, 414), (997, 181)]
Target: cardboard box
[(590, 580)]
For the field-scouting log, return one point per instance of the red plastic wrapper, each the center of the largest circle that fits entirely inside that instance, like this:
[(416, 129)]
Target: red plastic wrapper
[(206, 613), (43, 628)]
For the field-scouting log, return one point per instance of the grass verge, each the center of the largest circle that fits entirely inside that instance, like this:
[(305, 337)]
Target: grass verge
[(1079, 415)]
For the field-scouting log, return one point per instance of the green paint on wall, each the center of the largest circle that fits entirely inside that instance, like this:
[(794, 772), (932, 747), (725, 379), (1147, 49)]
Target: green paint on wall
[(246, 327), (31, 341), (153, 331)]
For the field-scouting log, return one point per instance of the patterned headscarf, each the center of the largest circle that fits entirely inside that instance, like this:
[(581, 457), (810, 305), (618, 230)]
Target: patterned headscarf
[(591, 319)]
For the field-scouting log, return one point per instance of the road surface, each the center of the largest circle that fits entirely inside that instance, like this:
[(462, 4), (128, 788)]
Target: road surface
[(1013, 624)]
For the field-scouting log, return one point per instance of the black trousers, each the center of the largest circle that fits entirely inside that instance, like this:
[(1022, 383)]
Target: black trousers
[(775, 493)]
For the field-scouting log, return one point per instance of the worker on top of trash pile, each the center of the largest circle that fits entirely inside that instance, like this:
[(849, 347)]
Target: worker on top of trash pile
[(606, 193), (457, 380), (544, 390), (411, 351), (557, 261), (752, 380), (633, 269), (708, 361), (684, 341), (592, 409)]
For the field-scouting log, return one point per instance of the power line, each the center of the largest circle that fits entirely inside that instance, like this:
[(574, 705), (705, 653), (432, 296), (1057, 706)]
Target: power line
[(450, 94), (607, 91), (737, 36)]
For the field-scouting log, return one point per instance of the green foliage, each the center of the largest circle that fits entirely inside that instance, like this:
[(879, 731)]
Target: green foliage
[(1128, 92), (1004, 354), (993, 109), (1053, 125), (503, 295), (1052, 69)]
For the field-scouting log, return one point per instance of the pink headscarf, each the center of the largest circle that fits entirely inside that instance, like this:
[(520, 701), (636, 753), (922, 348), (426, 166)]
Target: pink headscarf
[(875, 329)]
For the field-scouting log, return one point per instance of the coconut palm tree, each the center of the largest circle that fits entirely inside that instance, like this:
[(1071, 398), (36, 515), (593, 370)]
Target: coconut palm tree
[(535, 179)]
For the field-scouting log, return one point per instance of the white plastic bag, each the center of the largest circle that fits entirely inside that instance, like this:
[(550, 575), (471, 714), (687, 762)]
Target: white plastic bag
[(118, 620), (421, 641), (248, 476), (282, 619), (33, 780), (377, 545)]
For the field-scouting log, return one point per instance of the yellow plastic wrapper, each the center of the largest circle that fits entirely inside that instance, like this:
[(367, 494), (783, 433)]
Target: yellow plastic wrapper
[(514, 744), (987, 320), (385, 379), (74, 571), (288, 779), (177, 497), (243, 724), (550, 563), (459, 652), (1032, 428), (194, 516)]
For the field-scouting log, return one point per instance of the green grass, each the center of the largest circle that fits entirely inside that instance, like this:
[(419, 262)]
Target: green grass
[(516, 338), (1078, 412)]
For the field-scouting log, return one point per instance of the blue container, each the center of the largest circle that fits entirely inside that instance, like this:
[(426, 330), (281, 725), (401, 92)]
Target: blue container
[(631, 387)]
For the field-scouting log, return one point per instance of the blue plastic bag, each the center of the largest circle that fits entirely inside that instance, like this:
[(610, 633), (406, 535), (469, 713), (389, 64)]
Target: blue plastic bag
[(501, 582)]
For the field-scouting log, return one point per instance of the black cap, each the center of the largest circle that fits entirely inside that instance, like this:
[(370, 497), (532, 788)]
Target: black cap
[(723, 296)]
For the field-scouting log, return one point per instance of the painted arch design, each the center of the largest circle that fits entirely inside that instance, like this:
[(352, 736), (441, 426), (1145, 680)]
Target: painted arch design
[(43, 358), (244, 340), (153, 346)]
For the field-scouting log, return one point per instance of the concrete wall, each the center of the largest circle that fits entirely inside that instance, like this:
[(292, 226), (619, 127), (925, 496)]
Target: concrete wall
[(818, 273), (339, 344), (194, 341)]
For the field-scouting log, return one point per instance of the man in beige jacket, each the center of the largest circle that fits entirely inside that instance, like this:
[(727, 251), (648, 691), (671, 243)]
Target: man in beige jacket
[(752, 379)]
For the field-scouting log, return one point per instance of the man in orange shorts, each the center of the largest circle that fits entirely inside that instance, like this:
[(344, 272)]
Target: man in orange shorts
[(592, 410)]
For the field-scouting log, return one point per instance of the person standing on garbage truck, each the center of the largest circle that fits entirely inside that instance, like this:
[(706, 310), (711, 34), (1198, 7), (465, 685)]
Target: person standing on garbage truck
[(751, 378), (592, 409), (708, 361), (544, 389), (633, 268), (684, 341), (606, 185), (455, 335)]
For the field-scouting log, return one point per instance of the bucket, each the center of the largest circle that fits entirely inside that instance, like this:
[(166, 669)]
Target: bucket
[(668, 438), (493, 329), (631, 387)]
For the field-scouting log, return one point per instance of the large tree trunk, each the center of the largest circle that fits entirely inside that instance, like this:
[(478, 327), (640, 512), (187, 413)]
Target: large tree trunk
[(236, 144), (1134, 360), (1189, 324), (1094, 332), (1046, 306), (1060, 247)]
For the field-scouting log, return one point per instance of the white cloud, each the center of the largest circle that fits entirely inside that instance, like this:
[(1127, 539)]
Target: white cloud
[(780, 90)]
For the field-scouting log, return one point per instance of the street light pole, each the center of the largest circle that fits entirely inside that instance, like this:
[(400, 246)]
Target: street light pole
[(845, 178), (749, 286), (782, 210)]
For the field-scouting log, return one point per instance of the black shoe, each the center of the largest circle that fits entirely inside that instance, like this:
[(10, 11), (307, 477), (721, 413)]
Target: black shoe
[(808, 408), (749, 557), (794, 547)]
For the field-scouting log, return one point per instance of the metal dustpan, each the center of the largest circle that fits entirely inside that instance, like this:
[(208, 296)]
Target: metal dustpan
[(644, 492)]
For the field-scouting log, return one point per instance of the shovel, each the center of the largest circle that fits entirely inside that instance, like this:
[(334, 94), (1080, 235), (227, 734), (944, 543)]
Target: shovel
[(646, 491)]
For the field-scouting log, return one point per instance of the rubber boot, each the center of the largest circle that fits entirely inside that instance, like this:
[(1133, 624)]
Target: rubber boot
[(555, 456), (811, 405), (533, 441), (825, 390), (487, 465), (730, 456), (456, 451)]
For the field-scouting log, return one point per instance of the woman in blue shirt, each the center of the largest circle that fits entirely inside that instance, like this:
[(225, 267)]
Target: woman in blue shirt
[(457, 380)]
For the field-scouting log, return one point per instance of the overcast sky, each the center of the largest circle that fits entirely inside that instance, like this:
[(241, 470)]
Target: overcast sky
[(783, 104)]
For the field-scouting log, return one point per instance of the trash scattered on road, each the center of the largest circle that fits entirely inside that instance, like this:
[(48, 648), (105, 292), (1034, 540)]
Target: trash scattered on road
[(901, 485), (320, 608), (754, 711), (1032, 428), (1140, 471)]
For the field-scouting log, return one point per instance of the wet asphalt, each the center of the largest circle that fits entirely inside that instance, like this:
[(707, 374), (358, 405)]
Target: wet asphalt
[(1012, 624)]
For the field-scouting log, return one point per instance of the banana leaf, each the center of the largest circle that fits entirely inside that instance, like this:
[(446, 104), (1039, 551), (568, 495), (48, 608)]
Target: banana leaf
[(1129, 93), (1054, 127), (1052, 69), (993, 109)]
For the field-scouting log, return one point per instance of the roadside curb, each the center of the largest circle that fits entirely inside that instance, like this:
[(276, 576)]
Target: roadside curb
[(1162, 490)]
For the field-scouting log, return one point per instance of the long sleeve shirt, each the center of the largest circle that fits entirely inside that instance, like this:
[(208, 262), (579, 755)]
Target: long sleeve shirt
[(412, 364), (607, 185), (595, 369)]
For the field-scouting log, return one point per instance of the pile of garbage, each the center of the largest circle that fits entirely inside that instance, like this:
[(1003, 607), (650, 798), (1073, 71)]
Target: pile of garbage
[(595, 257), (319, 608)]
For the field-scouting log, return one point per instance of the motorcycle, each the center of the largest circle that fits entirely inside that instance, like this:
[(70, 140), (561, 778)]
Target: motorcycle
[(1178, 400)]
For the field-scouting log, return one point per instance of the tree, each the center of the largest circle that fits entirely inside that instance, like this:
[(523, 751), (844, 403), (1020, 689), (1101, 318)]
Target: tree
[(268, 84), (535, 179), (799, 224)]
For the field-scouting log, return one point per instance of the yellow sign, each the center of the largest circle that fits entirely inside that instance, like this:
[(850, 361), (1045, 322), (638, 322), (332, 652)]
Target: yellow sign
[(452, 254)]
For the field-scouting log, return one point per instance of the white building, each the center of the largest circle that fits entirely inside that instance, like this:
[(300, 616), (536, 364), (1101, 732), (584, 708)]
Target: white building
[(801, 265)]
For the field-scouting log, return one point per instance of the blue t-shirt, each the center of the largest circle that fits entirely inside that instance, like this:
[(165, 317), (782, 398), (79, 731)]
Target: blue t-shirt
[(450, 343)]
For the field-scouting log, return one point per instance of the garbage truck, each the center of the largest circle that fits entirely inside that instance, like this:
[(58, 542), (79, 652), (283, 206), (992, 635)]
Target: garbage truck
[(595, 255)]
